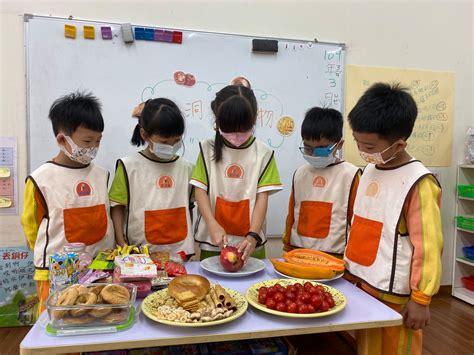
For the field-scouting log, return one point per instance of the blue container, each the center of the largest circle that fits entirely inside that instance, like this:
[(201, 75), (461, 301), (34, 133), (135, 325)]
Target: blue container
[(469, 252)]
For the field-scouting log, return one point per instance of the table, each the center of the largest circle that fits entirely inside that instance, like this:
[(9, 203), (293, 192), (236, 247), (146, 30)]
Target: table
[(362, 312)]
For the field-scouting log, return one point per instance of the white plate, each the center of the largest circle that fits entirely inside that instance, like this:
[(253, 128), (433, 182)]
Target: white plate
[(316, 280), (213, 265)]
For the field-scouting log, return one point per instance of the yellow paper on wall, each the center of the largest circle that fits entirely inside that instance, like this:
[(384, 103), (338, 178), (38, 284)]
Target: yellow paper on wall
[(432, 137)]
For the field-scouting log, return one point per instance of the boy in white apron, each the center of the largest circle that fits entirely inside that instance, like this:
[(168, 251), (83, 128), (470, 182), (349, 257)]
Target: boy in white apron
[(395, 242), (66, 199)]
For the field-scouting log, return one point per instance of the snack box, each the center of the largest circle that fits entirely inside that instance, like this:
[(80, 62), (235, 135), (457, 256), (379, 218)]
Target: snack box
[(135, 267), (103, 314)]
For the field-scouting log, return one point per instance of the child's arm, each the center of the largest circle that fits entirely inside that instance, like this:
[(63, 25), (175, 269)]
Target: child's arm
[(216, 232), (118, 196), (117, 214), (423, 222), (247, 246), (33, 213)]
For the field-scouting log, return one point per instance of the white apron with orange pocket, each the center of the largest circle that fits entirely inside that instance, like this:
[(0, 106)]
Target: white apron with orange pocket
[(321, 198), (232, 190), (158, 210), (77, 208), (376, 252)]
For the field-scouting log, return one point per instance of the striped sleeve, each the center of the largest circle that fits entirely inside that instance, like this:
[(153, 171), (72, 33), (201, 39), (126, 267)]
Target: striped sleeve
[(199, 176), (423, 222), (270, 178)]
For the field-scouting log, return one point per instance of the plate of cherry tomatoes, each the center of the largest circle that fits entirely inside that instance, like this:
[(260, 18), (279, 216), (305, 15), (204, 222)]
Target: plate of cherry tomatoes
[(296, 298)]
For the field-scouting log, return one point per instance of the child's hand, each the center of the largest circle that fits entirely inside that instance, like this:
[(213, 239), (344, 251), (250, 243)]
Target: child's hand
[(137, 111), (247, 247), (416, 316), (218, 235)]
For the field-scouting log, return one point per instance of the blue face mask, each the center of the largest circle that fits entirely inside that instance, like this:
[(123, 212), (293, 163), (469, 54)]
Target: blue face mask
[(321, 157)]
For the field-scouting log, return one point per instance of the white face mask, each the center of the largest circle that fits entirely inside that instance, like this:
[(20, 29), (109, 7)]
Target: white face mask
[(165, 151), (376, 158), (78, 154), (320, 162)]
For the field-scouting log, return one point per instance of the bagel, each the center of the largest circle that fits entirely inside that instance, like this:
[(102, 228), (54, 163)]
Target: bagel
[(197, 284), (115, 317), (96, 289), (84, 299), (68, 297), (115, 294), (100, 312), (78, 320)]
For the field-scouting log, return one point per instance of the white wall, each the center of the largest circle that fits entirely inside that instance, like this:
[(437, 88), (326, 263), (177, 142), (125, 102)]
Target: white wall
[(428, 35)]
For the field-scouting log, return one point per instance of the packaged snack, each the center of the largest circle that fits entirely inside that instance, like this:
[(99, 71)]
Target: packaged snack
[(62, 271), (134, 267)]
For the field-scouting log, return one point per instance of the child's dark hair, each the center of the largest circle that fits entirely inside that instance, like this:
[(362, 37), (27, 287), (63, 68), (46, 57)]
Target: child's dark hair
[(388, 110), (322, 123), (159, 116), (235, 108), (74, 110)]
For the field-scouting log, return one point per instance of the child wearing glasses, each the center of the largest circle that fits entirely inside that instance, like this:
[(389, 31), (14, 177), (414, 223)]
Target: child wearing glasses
[(323, 189)]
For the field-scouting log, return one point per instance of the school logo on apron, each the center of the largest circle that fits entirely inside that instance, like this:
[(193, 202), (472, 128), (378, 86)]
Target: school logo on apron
[(319, 181), (165, 182), (83, 188), (234, 171), (372, 189)]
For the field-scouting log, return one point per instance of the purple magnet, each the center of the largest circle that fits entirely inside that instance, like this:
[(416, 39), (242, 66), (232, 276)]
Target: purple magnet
[(106, 32)]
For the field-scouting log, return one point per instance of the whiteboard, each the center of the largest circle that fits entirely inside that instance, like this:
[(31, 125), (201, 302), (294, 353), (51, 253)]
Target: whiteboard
[(301, 75)]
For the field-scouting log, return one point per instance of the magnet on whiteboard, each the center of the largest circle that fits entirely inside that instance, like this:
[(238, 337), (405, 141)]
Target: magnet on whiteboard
[(106, 32), (5, 202), (89, 32), (265, 45), (139, 33), (70, 31), (4, 172), (127, 33)]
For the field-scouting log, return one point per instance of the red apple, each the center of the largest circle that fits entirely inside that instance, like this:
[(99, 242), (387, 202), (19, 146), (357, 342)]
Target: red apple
[(189, 80), (231, 259), (179, 77)]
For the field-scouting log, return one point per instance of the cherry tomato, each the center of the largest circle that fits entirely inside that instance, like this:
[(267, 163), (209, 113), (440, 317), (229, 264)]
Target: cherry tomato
[(291, 288), (288, 301), (305, 297), (303, 308), (281, 307), (320, 288), (290, 295), (313, 291), (262, 298), (316, 301), (299, 303), (262, 289), (270, 303), (307, 285), (324, 306), (311, 309), (271, 291), (298, 286), (330, 302), (278, 296), (292, 308)]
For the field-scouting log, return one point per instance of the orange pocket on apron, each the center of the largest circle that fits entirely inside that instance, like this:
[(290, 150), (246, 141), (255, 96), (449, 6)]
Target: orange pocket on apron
[(234, 217), (86, 225), (364, 240), (314, 219), (166, 226)]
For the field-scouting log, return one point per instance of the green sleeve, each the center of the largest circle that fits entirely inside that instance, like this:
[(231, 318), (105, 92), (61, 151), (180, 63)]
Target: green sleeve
[(270, 178), (118, 191), (199, 176)]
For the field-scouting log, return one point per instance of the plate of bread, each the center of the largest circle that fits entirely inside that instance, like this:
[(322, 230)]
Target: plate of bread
[(191, 301)]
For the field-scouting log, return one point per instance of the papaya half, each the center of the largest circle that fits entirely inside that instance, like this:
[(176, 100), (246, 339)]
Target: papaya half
[(304, 271), (314, 258)]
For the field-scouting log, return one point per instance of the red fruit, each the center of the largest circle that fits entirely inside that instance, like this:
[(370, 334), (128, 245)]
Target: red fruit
[(324, 306), (231, 259), (291, 288), (281, 307), (290, 295), (262, 289), (298, 286), (270, 303), (179, 77), (262, 298), (303, 309), (189, 80), (311, 309), (313, 291), (288, 301), (305, 297), (292, 308), (307, 285), (271, 291), (320, 288), (316, 301), (330, 302), (279, 297)]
